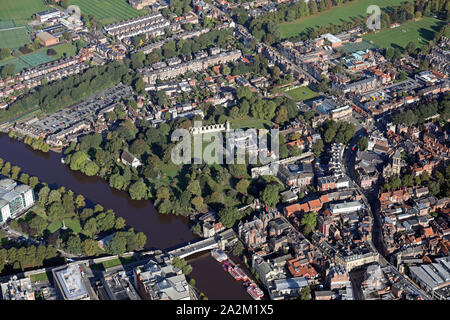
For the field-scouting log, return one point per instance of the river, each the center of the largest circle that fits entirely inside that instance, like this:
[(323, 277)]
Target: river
[(162, 231)]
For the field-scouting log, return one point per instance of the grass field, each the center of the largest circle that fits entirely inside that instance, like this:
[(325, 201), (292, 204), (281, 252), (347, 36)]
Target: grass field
[(67, 48), (250, 123), (354, 47), (108, 11), (38, 57), (419, 32), (14, 38), (44, 276), (20, 9), (301, 93), (336, 15)]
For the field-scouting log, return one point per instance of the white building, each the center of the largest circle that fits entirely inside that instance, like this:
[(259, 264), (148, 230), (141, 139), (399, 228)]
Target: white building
[(345, 207), (14, 199)]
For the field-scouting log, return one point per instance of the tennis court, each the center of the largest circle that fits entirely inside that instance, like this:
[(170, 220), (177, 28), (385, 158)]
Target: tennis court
[(35, 59)]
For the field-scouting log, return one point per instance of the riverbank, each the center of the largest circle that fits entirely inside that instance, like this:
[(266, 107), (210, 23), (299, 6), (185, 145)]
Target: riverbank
[(162, 231)]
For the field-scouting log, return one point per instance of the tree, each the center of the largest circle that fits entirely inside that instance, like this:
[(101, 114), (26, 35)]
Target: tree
[(238, 249), (91, 168), (120, 223), (242, 186), (67, 36), (24, 178), (117, 181), (389, 54), (197, 202), (309, 222), (270, 195), (15, 172), (80, 201), (138, 190), (229, 216), (141, 239), (118, 244), (78, 160), (317, 148), (238, 170), (90, 227), (139, 147), (43, 196), (90, 247), (194, 188), (305, 293), (410, 47), (54, 196), (73, 244), (363, 143), (33, 182)]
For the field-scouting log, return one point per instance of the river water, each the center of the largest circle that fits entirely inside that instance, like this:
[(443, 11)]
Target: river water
[(162, 231)]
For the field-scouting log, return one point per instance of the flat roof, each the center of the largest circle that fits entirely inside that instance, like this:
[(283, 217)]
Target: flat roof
[(71, 283)]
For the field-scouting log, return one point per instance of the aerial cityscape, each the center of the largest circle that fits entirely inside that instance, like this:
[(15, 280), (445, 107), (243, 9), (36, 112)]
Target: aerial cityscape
[(224, 150)]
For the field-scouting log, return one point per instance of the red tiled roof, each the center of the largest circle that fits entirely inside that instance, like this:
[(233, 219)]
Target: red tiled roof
[(315, 204)]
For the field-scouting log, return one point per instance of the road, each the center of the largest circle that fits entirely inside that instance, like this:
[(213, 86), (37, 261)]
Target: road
[(370, 198)]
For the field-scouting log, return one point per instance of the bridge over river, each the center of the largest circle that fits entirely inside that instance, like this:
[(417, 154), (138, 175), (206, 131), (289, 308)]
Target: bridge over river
[(214, 242)]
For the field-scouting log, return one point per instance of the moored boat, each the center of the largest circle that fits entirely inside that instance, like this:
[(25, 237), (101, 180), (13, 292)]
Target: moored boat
[(234, 274), (219, 255)]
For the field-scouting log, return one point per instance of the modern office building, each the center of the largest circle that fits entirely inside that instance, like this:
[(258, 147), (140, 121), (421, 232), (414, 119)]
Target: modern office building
[(70, 283), (14, 199)]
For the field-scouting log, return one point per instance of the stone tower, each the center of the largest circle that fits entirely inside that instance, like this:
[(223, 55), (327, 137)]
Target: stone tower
[(396, 163)]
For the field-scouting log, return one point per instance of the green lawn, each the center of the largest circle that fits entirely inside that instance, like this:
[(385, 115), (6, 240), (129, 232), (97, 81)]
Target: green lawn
[(113, 263), (169, 170), (52, 227), (250, 123), (108, 11), (301, 93), (67, 48), (336, 15), (419, 32), (73, 224), (44, 276), (20, 9), (14, 38)]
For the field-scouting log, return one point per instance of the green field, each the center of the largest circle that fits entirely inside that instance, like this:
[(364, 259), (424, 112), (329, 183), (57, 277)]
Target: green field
[(38, 57), (14, 38), (354, 47), (108, 11), (419, 32), (336, 15), (67, 48), (301, 93), (250, 123), (20, 9), (44, 276)]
